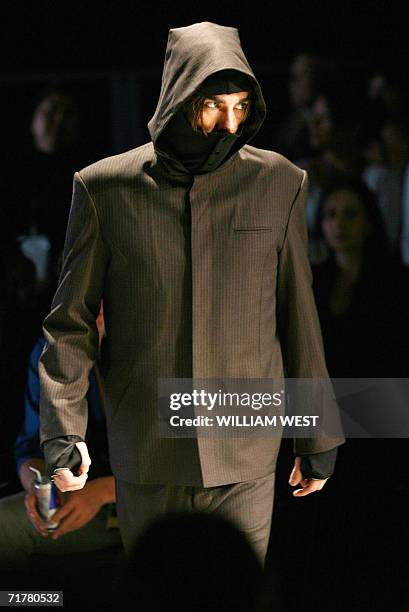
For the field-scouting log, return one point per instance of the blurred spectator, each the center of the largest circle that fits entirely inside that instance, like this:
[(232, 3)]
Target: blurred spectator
[(387, 160), (362, 324), (395, 136), (305, 82), (87, 518), (385, 146), (55, 123), (386, 96), (362, 299), (333, 126), (54, 151), (19, 326), (404, 238), (195, 562), (34, 213)]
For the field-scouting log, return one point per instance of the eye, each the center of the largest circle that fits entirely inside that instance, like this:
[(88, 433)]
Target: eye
[(242, 106), (211, 104)]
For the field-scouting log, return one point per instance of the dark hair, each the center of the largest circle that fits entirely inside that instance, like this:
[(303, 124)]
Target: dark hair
[(375, 246), (53, 87)]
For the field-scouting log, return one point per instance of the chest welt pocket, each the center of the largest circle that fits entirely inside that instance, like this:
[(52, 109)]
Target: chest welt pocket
[(258, 229)]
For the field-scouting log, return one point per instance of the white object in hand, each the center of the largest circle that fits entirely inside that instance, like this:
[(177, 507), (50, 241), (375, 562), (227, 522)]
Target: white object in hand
[(65, 480)]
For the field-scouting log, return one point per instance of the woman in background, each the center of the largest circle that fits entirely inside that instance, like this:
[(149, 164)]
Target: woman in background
[(361, 295), (360, 291)]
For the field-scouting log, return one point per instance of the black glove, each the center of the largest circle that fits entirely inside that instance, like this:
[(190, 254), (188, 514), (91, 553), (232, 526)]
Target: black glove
[(319, 465), (62, 453)]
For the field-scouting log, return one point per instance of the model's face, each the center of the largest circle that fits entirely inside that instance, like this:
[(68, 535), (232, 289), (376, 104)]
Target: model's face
[(225, 112), (344, 223)]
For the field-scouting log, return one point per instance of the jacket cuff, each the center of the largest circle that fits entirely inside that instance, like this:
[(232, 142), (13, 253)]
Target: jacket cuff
[(319, 465), (62, 453)]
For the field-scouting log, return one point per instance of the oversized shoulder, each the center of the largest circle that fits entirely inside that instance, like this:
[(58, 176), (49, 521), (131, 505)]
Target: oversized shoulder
[(277, 177), (117, 169), (263, 160)]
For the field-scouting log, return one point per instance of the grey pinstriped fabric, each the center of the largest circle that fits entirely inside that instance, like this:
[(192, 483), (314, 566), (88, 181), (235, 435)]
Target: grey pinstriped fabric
[(203, 276), (247, 504)]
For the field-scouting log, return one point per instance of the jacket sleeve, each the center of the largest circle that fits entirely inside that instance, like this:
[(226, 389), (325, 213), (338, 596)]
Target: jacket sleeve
[(70, 329), (298, 324)]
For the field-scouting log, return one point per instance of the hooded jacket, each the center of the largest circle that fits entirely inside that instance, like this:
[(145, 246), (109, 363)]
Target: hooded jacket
[(201, 275), (193, 55)]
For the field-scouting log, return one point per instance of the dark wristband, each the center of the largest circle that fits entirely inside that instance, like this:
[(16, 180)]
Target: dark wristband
[(319, 465), (62, 453)]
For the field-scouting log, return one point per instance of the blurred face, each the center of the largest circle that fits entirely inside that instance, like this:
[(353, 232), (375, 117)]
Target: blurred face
[(320, 124), (54, 125), (344, 224), (396, 145), (301, 85), (224, 112)]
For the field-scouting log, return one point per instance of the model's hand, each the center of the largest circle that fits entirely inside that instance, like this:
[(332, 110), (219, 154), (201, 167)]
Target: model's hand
[(79, 507), (30, 502), (65, 480), (309, 485)]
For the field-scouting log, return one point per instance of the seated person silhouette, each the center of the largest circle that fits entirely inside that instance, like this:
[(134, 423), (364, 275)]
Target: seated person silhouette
[(87, 518)]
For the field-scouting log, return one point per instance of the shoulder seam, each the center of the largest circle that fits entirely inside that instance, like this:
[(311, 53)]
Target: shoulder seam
[(304, 174), (91, 199)]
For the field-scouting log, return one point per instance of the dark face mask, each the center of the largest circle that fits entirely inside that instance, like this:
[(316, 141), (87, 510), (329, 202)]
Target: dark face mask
[(197, 152)]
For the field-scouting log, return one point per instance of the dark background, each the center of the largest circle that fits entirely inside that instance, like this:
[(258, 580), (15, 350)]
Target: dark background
[(49, 35), (111, 55)]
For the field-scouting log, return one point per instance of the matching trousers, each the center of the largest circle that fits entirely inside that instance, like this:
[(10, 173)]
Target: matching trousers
[(248, 505)]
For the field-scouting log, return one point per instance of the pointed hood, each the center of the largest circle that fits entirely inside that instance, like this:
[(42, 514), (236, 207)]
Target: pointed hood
[(193, 54)]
